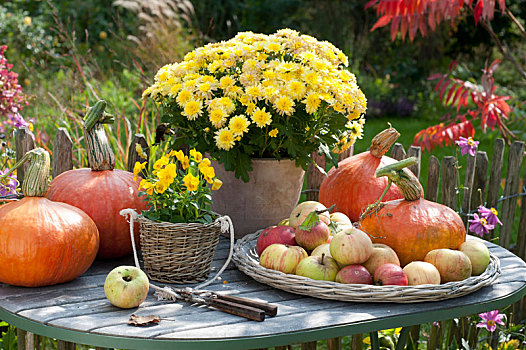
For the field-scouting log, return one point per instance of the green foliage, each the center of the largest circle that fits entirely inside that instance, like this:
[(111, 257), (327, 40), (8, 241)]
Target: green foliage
[(8, 340)]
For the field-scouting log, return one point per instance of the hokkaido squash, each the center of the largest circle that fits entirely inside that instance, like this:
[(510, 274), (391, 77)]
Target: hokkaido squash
[(101, 191), (352, 186), (43, 242), (412, 226)]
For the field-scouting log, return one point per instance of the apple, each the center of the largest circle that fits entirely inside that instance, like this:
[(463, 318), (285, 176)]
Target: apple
[(381, 254), (453, 265), (321, 268), (313, 237), (478, 254), (354, 274), (324, 249), (340, 218), (275, 234), (390, 275), (351, 246), (126, 286), (421, 272), (284, 222), (282, 257), (302, 210)]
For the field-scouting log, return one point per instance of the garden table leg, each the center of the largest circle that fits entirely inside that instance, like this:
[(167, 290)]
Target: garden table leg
[(402, 339), (375, 344)]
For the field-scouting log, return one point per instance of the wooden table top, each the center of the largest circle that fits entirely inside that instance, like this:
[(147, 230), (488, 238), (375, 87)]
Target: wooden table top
[(79, 312)]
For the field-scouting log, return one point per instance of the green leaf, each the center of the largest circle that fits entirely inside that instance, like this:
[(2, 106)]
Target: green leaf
[(310, 221)]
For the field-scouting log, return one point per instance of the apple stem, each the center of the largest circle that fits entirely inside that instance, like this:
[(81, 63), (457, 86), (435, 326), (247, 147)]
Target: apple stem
[(322, 257)]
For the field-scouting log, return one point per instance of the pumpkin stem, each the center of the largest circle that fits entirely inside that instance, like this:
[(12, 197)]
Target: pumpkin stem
[(407, 183), (376, 205), (37, 174), (383, 141), (100, 154)]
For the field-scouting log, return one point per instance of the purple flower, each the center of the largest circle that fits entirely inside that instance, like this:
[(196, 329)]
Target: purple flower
[(490, 320), (7, 184), (480, 225), (467, 145), (490, 215)]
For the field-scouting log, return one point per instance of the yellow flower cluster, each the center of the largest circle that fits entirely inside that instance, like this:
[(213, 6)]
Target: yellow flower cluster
[(165, 172), (270, 76)]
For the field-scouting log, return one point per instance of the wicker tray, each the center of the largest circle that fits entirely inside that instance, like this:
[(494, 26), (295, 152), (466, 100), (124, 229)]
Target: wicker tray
[(247, 261)]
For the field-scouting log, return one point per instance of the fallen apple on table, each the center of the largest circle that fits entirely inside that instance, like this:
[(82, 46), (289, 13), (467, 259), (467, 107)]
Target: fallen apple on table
[(281, 257), (275, 234), (126, 286)]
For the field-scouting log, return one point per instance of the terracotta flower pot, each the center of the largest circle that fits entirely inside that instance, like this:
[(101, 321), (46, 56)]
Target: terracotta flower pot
[(269, 197)]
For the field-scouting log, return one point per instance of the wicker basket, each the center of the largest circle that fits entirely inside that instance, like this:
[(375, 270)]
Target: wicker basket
[(178, 253), (247, 261)]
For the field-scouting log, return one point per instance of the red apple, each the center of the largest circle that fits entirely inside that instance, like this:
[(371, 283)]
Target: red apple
[(302, 210), (282, 257), (351, 246), (421, 272), (275, 234), (390, 274), (354, 274), (453, 265), (381, 254), (321, 268), (478, 254), (313, 237)]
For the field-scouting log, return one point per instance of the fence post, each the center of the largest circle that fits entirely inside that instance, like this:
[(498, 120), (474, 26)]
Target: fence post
[(415, 151), (468, 187), (516, 154), (433, 176), (449, 182), (133, 155), (480, 180), (24, 142), (495, 174), (398, 151), (62, 153)]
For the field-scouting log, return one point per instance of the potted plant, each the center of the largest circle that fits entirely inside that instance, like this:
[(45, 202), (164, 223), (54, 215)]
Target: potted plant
[(178, 231), (262, 99)]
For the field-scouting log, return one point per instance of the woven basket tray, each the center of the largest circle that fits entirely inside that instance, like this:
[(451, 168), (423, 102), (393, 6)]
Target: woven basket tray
[(178, 253), (246, 260)]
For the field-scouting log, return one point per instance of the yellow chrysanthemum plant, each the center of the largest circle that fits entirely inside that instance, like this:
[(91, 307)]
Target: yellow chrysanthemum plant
[(262, 96), (178, 187)]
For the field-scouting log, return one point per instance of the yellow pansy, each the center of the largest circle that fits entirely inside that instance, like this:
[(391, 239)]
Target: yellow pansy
[(161, 162), (273, 133), (179, 155), (205, 163), (185, 162), (161, 187), (209, 174), (196, 155), (217, 184), (147, 186), (191, 182), (140, 151), (137, 168)]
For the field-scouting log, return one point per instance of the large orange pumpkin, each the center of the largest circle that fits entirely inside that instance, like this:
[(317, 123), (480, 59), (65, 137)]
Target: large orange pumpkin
[(412, 226), (352, 186), (101, 191), (43, 242)]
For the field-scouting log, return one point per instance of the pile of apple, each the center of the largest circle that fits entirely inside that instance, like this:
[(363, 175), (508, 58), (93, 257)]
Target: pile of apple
[(342, 253)]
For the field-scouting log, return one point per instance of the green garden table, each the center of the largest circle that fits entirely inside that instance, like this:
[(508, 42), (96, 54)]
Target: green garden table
[(79, 312)]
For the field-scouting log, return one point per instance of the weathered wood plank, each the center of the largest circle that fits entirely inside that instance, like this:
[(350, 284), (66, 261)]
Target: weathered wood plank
[(62, 152), (309, 346), (415, 151), (449, 182), (24, 141), (133, 155), (433, 177), (357, 342), (334, 343), (315, 177), (346, 154), (64, 345), (509, 203), (495, 173), (398, 152), (521, 236), (468, 187), (480, 180), (26, 340)]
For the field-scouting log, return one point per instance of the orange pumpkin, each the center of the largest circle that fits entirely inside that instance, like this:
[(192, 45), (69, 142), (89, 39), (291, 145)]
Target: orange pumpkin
[(352, 186), (412, 226), (101, 191), (43, 242)]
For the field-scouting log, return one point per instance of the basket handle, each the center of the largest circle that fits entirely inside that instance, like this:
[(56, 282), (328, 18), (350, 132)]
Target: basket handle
[(226, 224)]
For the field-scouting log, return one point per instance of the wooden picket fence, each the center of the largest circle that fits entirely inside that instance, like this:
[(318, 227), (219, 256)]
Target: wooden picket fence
[(497, 190)]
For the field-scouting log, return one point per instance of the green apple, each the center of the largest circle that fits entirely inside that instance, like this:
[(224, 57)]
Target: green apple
[(478, 254), (126, 286), (321, 268)]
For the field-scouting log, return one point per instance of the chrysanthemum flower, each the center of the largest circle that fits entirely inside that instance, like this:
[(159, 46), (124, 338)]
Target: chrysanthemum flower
[(192, 109), (239, 125), (224, 139), (261, 117), (284, 105)]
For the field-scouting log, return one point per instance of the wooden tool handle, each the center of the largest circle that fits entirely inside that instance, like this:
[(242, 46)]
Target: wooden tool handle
[(246, 311), (270, 310)]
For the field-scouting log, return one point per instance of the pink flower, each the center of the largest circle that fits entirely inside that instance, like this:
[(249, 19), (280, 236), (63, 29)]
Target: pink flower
[(490, 320), (490, 215), (480, 225), (7, 184), (467, 145)]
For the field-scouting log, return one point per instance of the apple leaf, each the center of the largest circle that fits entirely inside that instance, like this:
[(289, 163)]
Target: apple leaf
[(310, 221), (143, 320), (333, 225)]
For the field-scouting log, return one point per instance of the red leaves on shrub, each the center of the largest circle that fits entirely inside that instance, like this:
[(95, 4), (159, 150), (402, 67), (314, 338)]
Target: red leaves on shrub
[(440, 135), (407, 17)]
